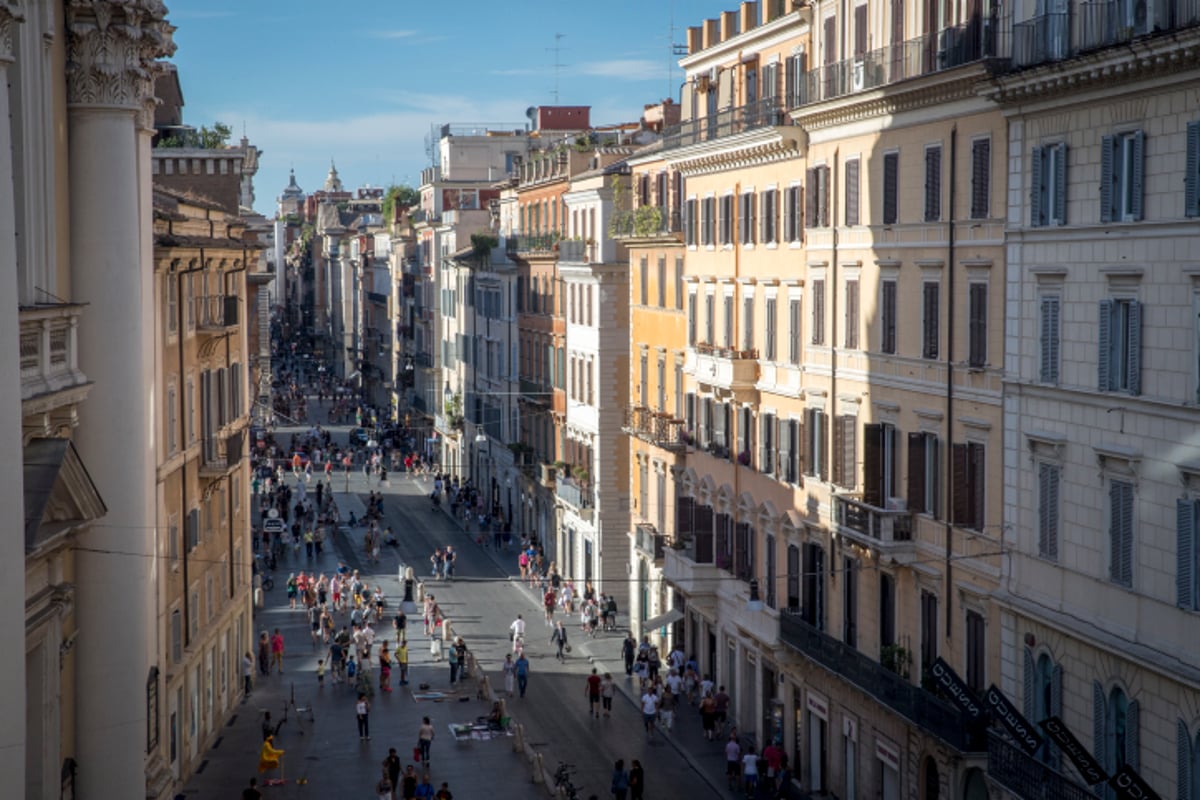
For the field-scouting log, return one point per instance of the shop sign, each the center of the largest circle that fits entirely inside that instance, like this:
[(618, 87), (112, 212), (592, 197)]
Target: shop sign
[(1012, 720), (956, 689), (1089, 769)]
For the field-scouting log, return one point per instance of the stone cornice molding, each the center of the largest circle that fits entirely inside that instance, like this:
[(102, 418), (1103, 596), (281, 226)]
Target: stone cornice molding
[(112, 51), (10, 17)]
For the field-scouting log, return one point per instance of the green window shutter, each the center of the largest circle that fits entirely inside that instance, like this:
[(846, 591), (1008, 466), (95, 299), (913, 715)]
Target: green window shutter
[(1134, 379), (1036, 189), (1185, 543), (1028, 673), (1107, 153), (1133, 735), (1103, 361), (1098, 739), (1060, 184), (1139, 173), (1183, 760), (1056, 692), (1191, 183), (1050, 313)]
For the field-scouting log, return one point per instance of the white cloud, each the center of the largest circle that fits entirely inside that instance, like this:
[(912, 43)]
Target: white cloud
[(633, 69), (392, 34)]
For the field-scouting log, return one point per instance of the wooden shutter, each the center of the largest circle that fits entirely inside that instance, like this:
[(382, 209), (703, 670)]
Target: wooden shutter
[(824, 446), (1036, 189), (823, 195), (839, 437), (978, 487), (1060, 184), (888, 345), (916, 472), (1103, 362), (1050, 313), (1048, 485), (1099, 740), (1185, 544), (960, 505), (1029, 681), (977, 340), (933, 184), (931, 320), (873, 464), (1133, 735), (851, 333), (1139, 174), (789, 81), (1107, 156), (849, 451), (1191, 180), (804, 454), (810, 205), (981, 170), (751, 215), (1121, 532), (1133, 380), (743, 432), (852, 187), (1183, 760), (860, 29), (786, 431), (891, 181)]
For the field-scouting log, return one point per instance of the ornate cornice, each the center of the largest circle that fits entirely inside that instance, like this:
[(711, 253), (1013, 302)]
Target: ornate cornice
[(113, 47), (10, 17)]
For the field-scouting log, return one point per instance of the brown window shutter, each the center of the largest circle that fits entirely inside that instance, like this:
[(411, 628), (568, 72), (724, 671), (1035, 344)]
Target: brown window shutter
[(824, 198), (852, 191), (891, 184), (824, 449), (810, 199), (860, 29), (839, 446), (916, 472), (872, 464), (961, 506), (977, 485), (802, 455), (981, 155)]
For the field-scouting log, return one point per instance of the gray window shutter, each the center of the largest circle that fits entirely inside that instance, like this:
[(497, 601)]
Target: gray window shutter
[(1191, 191), (1107, 152), (1183, 760), (1134, 379), (824, 446), (810, 204), (1133, 735), (891, 182), (850, 452), (981, 162), (1036, 189), (1060, 185), (1185, 543), (1056, 691), (1050, 329), (1098, 726), (1139, 173), (933, 184), (1105, 344), (1029, 674), (1121, 495)]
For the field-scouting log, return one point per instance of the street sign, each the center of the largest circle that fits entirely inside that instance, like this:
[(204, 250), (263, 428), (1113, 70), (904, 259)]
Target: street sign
[(273, 525)]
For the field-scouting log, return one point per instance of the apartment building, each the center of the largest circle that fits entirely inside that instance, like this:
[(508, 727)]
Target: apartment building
[(204, 617), (1099, 606)]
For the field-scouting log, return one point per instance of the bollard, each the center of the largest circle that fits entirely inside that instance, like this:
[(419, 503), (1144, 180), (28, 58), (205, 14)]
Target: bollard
[(518, 738), (258, 597), (447, 633), (539, 768), (420, 592)]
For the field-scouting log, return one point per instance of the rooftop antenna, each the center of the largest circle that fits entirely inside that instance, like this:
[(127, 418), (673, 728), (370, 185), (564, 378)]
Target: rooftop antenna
[(558, 65), (675, 51)]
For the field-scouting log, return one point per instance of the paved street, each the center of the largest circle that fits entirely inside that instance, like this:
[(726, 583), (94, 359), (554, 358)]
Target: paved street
[(480, 603)]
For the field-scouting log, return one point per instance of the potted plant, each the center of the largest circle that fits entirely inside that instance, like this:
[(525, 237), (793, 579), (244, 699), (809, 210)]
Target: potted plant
[(896, 658), (562, 468), (580, 474)]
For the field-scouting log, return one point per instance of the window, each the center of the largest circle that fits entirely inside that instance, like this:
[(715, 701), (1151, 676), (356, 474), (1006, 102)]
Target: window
[(793, 578), (190, 411), (789, 451), (850, 602), (766, 443), (930, 321), (1122, 163), (662, 281), (710, 319), (171, 287), (769, 337), (1120, 362), (929, 630), (691, 318), (172, 421), (679, 390), (173, 541), (976, 649), (770, 217), (793, 214), (662, 384), (816, 205), (851, 212), (845, 450), (769, 558), (1115, 720), (816, 454), (679, 283), (891, 188), (743, 551), (818, 312), (194, 614), (924, 473), (887, 342), (1049, 478), (709, 231), (1049, 310), (728, 339), (933, 183), (644, 387), (887, 610), (1120, 532), (1043, 696), (981, 177), (814, 586), (968, 487), (726, 232), (977, 325), (176, 636), (1191, 181), (748, 323), (1187, 554), (644, 285), (881, 460), (689, 223), (851, 332), (794, 332), (746, 214), (193, 529)]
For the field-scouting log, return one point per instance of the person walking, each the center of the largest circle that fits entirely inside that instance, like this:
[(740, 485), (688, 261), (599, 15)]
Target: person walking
[(452, 659), (362, 710), (425, 740), (620, 780), (666, 708), (392, 766), (592, 690), (522, 669), (510, 670), (733, 762), (402, 661), (277, 650), (248, 671), (516, 633), (629, 652), (264, 653), (608, 688), (649, 710), (637, 780), (559, 640)]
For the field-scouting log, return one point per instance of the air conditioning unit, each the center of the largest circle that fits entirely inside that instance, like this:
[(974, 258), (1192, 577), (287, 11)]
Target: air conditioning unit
[(896, 504), (856, 76)]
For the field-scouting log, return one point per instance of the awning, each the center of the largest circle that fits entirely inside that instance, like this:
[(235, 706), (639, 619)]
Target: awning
[(663, 620)]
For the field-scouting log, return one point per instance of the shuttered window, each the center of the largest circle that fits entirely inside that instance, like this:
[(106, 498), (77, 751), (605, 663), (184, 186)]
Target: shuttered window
[(769, 339), (748, 323), (689, 223), (1042, 696), (691, 318), (845, 450), (976, 651), (1049, 307), (967, 462), (1120, 530), (977, 325), (793, 214), (851, 331), (891, 188), (1049, 477), (924, 476), (767, 443), (981, 177), (769, 233), (1187, 555), (1122, 168), (816, 214), (930, 321), (176, 636), (708, 232), (816, 449), (1119, 361), (852, 189), (794, 325), (644, 280), (887, 317), (1191, 191), (789, 450), (726, 225), (933, 183), (1116, 729), (818, 312), (1187, 762)]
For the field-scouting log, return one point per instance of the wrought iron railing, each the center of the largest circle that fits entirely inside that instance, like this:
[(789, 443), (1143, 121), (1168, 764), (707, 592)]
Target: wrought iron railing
[(575, 251), (573, 493), (1046, 37), (656, 427), (531, 243), (884, 525), (1013, 768), (768, 112)]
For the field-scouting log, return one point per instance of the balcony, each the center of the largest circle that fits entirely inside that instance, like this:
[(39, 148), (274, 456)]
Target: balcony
[(1105, 23), (424, 216), (531, 244), (645, 222), (688, 566), (918, 706), (649, 541), (423, 360), (723, 367), (576, 495), (1012, 768), (766, 113), (216, 314), (222, 452), (656, 427), (532, 390), (577, 251), (886, 530), (430, 175), (1046, 37), (50, 376)]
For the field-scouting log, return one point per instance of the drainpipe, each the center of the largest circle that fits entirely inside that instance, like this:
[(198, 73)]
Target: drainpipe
[(183, 476), (242, 321), (833, 314), (950, 387)]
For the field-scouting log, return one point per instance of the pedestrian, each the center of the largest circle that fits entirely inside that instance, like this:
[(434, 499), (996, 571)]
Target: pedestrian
[(391, 766), (363, 710), (720, 708), (444, 792), (592, 690), (248, 671), (384, 788), (400, 623), (320, 673), (649, 710), (522, 667), (708, 717), (509, 673), (637, 780), (277, 650), (620, 780), (516, 633), (608, 688), (402, 661), (425, 740), (424, 790), (559, 640), (251, 792), (750, 772), (408, 784), (733, 762), (629, 652), (264, 653), (452, 659), (666, 708)]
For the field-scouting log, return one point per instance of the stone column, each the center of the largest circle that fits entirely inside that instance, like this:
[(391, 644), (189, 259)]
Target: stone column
[(12, 546), (111, 49)]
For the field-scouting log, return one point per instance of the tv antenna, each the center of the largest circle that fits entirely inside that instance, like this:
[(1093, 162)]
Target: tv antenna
[(558, 65)]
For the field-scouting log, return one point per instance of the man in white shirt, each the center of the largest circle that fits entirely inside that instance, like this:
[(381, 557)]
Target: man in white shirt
[(517, 633), (750, 771), (674, 682), (649, 710)]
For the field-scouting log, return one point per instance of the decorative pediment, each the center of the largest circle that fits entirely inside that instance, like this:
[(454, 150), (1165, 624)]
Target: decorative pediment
[(59, 493)]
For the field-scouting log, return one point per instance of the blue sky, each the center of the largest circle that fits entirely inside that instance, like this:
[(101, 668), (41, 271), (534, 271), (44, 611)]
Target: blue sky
[(362, 81)]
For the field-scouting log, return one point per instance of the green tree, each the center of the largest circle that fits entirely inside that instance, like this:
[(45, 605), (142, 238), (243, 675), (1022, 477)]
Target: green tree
[(399, 196)]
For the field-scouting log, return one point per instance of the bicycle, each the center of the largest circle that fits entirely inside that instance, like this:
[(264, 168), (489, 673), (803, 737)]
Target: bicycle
[(562, 782)]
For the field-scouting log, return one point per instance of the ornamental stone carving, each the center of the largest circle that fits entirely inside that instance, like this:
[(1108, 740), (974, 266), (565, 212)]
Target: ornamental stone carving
[(112, 50), (10, 18)]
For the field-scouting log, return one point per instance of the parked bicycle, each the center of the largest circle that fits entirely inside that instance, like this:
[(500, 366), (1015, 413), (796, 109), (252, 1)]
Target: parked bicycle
[(563, 787)]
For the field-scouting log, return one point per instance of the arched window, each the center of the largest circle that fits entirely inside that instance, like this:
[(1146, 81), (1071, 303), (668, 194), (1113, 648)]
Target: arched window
[(1117, 729), (931, 778), (975, 786)]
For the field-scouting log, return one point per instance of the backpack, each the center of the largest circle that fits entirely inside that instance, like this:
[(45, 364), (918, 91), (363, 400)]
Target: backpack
[(351, 669)]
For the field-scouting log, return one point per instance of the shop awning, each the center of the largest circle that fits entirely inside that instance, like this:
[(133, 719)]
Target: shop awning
[(663, 620)]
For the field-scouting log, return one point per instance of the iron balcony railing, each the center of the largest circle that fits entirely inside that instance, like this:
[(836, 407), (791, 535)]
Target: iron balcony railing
[(1013, 768), (525, 244), (221, 452), (649, 541), (575, 251), (216, 312), (656, 427), (1046, 37), (918, 706), (882, 525), (574, 494), (765, 113)]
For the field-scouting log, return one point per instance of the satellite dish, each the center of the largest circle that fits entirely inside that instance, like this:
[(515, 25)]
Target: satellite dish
[(531, 112)]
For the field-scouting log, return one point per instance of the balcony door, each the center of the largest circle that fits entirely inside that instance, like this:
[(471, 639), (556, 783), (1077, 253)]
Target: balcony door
[(814, 586)]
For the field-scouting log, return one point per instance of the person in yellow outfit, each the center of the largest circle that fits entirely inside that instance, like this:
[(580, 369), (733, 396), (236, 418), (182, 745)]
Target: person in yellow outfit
[(269, 757)]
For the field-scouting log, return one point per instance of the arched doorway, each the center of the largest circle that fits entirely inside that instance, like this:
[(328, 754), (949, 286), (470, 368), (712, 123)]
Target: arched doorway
[(931, 779), (975, 786)]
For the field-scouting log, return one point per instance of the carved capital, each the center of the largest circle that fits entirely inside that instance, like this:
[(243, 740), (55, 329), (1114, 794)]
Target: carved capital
[(10, 18), (112, 49)]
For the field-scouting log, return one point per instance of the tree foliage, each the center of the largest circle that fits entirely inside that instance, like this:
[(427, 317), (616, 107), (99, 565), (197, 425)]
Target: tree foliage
[(214, 138), (398, 196)]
